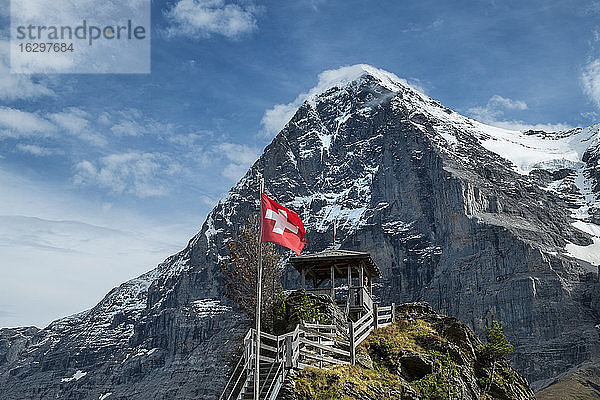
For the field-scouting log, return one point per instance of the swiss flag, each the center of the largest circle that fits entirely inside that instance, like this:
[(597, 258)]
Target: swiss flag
[(281, 226)]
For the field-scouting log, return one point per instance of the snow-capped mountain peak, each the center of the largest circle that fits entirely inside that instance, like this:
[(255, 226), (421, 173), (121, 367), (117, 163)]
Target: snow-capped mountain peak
[(349, 75)]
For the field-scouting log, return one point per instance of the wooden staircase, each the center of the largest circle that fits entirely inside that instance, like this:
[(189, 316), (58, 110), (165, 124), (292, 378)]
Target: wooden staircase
[(271, 379), (318, 345)]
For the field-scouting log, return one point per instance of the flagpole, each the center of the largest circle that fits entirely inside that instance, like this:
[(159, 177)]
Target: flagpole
[(258, 299)]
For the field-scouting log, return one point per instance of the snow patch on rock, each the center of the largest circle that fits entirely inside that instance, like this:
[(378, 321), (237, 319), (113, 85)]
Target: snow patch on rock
[(209, 308), (76, 376), (589, 253)]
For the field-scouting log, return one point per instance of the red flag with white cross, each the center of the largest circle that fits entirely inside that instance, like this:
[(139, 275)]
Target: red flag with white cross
[(281, 226)]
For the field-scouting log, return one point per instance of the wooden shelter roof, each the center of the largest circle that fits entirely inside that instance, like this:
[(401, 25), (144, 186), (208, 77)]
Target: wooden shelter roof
[(320, 263)]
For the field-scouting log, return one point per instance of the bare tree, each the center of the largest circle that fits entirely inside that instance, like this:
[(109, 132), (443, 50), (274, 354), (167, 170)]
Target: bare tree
[(240, 272)]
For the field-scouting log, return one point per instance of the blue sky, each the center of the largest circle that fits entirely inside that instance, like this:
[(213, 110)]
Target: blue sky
[(137, 161)]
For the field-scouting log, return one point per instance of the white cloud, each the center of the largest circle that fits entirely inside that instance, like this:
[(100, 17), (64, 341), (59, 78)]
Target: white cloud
[(433, 26), (277, 117), (495, 108), (140, 174), (234, 171), (438, 23), (73, 120), (592, 8), (37, 150), (76, 122), (133, 123), (420, 85), (507, 103), (204, 18), (18, 86), (61, 253), (493, 112), (128, 128), (189, 140), (240, 158), (16, 124), (590, 81)]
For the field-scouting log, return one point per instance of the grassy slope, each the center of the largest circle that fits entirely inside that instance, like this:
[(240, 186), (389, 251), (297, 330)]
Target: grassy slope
[(583, 384), (451, 374)]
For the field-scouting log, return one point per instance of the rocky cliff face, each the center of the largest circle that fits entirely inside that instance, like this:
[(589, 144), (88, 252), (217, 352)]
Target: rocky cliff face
[(480, 222), (424, 355)]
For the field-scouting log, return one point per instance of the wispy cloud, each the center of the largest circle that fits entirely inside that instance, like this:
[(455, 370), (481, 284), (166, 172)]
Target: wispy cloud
[(493, 113), (18, 86), (592, 8), (140, 174), (133, 123), (152, 167), (85, 249), (275, 118), (77, 122), (590, 81), (495, 107), (205, 18), (433, 26), (37, 150), (16, 124), (239, 157)]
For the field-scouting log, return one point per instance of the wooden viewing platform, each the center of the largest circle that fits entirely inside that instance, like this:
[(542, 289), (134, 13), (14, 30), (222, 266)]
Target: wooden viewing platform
[(346, 276), (353, 271)]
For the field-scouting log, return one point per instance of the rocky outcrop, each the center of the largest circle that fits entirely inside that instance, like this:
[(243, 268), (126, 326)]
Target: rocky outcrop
[(424, 355), (420, 187), (326, 309)]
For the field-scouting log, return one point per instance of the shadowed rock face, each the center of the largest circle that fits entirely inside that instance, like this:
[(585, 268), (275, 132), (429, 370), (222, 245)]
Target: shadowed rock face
[(408, 180)]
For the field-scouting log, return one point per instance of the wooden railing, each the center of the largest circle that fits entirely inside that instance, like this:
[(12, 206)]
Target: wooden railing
[(359, 296), (314, 344), (241, 372), (376, 318), (321, 345), (385, 315)]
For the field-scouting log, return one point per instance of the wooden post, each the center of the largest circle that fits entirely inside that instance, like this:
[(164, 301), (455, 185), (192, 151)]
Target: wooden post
[(303, 278), (248, 347), (376, 315), (393, 312), (320, 351), (349, 276), (289, 351), (352, 348), (332, 283), (361, 276), (350, 300)]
